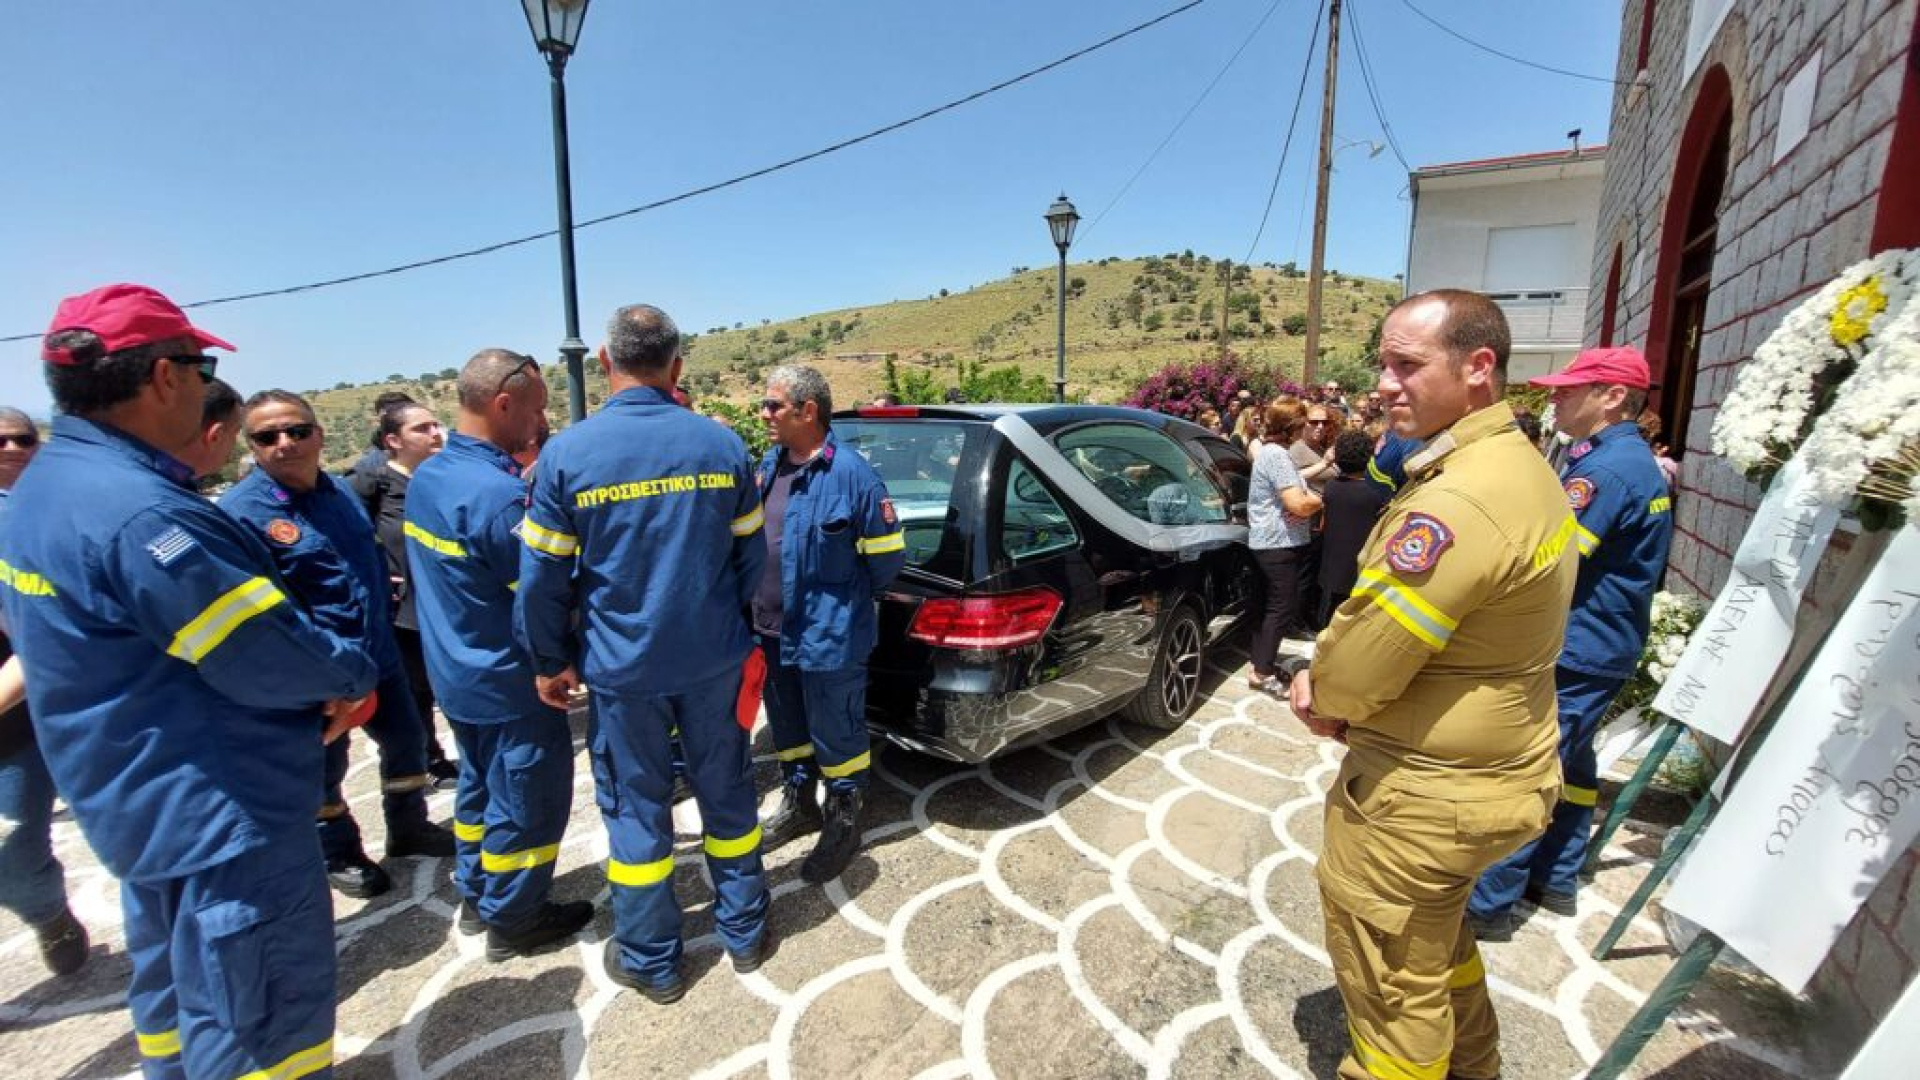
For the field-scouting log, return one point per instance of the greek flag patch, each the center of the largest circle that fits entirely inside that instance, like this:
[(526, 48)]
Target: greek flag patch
[(170, 545)]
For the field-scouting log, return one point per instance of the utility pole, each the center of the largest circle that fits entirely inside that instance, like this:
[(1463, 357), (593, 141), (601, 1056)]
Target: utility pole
[(1317, 268), (1226, 307)]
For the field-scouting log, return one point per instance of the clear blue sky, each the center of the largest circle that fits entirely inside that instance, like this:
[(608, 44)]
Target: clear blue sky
[(210, 147)]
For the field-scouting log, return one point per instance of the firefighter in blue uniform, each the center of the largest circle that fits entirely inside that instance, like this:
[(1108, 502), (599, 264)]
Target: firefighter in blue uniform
[(833, 542), (464, 508), (324, 547), (1387, 468), (644, 530), (180, 698), (1624, 525)]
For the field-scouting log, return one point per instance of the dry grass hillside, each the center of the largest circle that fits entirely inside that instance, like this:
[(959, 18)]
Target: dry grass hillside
[(1125, 319)]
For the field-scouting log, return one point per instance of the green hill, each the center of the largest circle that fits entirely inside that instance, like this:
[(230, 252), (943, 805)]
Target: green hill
[(1125, 319)]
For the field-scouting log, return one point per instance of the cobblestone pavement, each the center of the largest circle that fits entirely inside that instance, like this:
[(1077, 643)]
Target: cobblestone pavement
[(1123, 902)]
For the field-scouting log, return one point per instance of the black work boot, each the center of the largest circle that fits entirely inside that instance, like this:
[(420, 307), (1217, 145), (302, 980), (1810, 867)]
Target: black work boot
[(1561, 904), (408, 830), (63, 943), (355, 875), (553, 923), (839, 837), (662, 994), (470, 921), (797, 815)]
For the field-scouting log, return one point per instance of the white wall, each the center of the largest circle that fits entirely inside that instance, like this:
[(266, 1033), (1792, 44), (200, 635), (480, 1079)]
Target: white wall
[(1452, 219)]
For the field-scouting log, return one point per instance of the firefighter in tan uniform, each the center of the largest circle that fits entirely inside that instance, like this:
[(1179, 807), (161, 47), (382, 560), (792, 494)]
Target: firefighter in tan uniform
[(1438, 675)]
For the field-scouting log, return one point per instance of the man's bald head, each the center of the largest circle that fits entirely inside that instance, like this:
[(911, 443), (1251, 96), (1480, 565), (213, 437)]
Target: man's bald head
[(493, 372)]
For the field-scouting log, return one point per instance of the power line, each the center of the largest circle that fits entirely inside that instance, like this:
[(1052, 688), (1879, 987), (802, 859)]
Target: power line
[(1286, 145), (1451, 32), (1184, 117), (1373, 89), (657, 204)]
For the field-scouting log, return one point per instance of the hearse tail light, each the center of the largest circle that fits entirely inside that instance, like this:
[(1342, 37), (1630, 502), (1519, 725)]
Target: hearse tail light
[(1002, 621), (885, 411)]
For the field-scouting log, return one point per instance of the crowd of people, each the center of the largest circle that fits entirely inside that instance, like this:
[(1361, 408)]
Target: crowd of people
[(188, 673)]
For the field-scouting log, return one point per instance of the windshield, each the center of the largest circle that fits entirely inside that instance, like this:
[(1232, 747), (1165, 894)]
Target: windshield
[(918, 460)]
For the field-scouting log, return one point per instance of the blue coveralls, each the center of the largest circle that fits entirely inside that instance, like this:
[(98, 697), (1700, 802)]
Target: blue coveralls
[(176, 694), (840, 544), (1387, 468), (1624, 524), (33, 885), (324, 548), (642, 550), (464, 508)]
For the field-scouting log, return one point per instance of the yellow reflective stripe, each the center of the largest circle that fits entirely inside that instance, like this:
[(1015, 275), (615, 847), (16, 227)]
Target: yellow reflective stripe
[(541, 538), (1406, 607), (1660, 505), (1373, 471), (880, 545), (305, 1063), (1473, 971), (433, 543), (165, 1044), (24, 582), (849, 766), (732, 849), (797, 753), (513, 586), (748, 524), (1588, 541), (640, 875), (1381, 1064), (1579, 796), (472, 834), (506, 862), (222, 617), (1554, 546)]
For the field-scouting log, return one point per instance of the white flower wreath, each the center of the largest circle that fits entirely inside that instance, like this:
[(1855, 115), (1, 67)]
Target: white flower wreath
[(1868, 442), (1774, 400)]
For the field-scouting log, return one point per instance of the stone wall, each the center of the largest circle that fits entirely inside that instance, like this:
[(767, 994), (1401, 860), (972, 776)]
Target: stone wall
[(1785, 228)]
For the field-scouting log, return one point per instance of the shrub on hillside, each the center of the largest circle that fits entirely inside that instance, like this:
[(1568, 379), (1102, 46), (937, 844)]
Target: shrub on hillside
[(1183, 389)]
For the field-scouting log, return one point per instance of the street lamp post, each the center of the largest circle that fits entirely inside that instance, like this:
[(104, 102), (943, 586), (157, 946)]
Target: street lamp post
[(556, 30), (1061, 218)]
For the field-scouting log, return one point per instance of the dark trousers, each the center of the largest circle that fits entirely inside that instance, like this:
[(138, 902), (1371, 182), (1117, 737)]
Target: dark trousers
[(415, 661), (1280, 606), (1309, 585), (395, 729), (632, 781), (233, 967), (1552, 862), (819, 721), (509, 813)]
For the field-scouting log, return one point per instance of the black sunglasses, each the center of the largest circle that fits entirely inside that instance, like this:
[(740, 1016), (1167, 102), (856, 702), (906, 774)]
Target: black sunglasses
[(26, 440), (205, 364), (527, 363), (271, 436), (772, 405)]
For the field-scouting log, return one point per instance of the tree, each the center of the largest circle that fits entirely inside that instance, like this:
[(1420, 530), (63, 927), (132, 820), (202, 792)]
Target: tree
[(892, 377), (780, 336), (1136, 303), (1295, 324), (1155, 320), (943, 293)]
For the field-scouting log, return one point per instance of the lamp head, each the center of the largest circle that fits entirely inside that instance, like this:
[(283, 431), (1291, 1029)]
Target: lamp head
[(556, 24), (1061, 218)]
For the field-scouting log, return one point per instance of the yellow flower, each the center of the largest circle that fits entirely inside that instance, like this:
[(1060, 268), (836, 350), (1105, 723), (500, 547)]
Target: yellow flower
[(1853, 314)]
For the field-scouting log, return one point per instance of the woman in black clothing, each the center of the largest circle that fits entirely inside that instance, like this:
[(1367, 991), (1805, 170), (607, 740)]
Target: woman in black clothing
[(410, 434), (1353, 504)]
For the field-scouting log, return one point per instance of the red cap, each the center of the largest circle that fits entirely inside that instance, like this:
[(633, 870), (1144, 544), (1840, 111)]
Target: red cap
[(1616, 366), (124, 316)]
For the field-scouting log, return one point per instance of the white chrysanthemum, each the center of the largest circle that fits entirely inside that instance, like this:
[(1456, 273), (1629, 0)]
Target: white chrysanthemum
[(1657, 672), (1773, 393), (1876, 413)]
